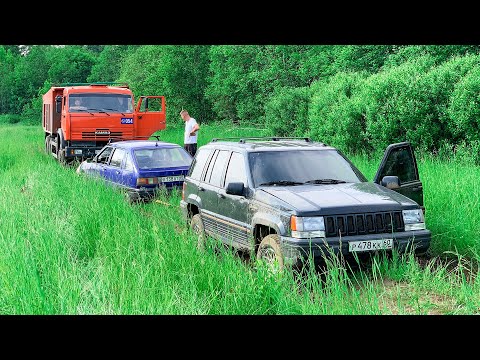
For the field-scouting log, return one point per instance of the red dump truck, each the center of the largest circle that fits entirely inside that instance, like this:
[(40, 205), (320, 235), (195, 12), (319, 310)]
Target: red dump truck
[(79, 119)]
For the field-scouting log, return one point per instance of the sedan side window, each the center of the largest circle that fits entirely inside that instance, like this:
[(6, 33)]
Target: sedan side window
[(128, 163), (117, 158), (103, 156)]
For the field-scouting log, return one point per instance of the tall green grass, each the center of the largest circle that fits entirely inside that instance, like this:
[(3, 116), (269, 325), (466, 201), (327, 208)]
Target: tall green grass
[(71, 245)]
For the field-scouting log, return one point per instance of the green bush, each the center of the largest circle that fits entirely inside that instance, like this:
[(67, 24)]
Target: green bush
[(287, 112), (464, 107), (10, 119), (394, 109), (336, 113)]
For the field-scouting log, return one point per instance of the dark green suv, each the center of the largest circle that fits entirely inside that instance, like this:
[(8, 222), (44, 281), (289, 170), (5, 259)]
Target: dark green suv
[(288, 198)]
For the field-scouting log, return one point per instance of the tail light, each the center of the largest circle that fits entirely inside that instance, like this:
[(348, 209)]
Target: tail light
[(147, 181)]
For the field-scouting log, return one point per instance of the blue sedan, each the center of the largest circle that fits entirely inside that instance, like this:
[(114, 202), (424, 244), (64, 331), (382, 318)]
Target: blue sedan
[(140, 167)]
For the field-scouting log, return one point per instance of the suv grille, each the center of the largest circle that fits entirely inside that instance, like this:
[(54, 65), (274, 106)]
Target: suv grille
[(361, 224)]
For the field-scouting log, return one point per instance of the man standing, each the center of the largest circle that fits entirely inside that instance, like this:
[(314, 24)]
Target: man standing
[(190, 137)]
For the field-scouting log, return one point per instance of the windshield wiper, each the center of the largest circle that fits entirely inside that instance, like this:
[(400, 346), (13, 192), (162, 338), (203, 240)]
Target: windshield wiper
[(325, 181), (99, 110), (281, 182), (83, 110), (115, 110)]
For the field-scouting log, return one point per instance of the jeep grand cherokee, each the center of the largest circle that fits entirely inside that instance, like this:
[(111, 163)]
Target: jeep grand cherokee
[(289, 198)]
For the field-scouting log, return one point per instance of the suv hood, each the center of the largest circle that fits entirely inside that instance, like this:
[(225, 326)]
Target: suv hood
[(340, 198)]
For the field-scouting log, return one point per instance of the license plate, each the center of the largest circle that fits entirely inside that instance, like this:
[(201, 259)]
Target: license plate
[(171, 178), (370, 245)]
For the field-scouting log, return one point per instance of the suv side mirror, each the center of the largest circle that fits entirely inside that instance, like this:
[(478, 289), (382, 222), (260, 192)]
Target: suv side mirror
[(235, 188), (390, 182)]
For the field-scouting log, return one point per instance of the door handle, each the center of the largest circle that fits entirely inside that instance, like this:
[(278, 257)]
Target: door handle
[(221, 196), (117, 172), (200, 188), (417, 188)]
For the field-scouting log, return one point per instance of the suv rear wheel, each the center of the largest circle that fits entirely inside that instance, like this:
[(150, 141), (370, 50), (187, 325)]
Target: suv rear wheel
[(196, 224), (270, 252)]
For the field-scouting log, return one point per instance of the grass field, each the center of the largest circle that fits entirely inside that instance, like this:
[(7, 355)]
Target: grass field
[(70, 245)]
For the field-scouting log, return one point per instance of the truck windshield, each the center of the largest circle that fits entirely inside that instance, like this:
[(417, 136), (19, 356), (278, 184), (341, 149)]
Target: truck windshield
[(302, 166), (110, 103)]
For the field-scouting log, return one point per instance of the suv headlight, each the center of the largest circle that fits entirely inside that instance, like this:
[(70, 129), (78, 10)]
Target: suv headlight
[(413, 219), (307, 227)]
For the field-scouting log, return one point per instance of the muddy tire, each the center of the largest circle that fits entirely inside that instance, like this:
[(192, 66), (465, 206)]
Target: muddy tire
[(270, 252), (61, 157), (196, 224), (48, 149)]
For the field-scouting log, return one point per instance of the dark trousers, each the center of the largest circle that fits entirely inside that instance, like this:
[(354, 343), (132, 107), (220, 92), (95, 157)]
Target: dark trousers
[(191, 148)]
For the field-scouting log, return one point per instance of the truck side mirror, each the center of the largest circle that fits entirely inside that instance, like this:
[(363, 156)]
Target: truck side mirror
[(235, 188), (390, 182), (58, 104)]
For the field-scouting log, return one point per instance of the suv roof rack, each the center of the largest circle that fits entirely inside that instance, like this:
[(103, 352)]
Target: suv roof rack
[(106, 83), (243, 140)]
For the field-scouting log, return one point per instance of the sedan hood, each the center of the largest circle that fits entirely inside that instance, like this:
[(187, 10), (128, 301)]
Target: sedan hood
[(340, 198)]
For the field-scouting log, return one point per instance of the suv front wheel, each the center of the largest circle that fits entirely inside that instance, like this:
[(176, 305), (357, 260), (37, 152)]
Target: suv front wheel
[(270, 252)]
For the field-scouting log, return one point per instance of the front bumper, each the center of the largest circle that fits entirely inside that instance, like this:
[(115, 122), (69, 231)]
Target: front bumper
[(296, 250)]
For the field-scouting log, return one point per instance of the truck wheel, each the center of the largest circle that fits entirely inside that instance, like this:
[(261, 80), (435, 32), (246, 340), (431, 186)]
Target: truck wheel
[(61, 157), (196, 224), (270, 252), (48, 149)]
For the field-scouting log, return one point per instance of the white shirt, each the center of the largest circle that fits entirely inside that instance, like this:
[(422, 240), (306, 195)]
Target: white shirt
[(189, 124)]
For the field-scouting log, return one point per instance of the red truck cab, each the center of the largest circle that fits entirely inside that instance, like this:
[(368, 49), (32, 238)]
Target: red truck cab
[(80, 119)]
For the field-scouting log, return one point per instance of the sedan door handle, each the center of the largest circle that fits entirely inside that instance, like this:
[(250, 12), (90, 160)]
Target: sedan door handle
[(117, 172), (417, 188), (200, 188), (221, 196)]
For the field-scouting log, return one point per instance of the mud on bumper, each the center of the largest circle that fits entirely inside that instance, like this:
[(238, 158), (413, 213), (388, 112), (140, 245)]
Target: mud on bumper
[(299, 250)]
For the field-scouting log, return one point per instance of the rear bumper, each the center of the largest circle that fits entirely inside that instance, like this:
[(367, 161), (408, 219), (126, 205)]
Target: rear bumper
[(296, 250), (149, 193), (81, 152)]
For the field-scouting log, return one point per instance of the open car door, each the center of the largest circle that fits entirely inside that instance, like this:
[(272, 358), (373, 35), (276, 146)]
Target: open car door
[(399, 160), (150, 114)]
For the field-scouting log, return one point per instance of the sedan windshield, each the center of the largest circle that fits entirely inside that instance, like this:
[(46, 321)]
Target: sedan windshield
[(162, 158), (302, 166)]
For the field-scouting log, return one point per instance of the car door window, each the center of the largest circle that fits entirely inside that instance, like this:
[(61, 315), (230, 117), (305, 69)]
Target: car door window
[(128, 163), (401, 163), (117, 158), (198, 163), (217, 173), (236, 169), (104, 155), (208, 173)]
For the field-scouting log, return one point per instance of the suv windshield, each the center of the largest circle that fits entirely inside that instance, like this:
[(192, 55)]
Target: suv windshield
[(162, 157), (301, 166)]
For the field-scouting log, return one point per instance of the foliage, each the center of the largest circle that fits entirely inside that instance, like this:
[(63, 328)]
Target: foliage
[(337, 113), (177, 72), (287, 112)]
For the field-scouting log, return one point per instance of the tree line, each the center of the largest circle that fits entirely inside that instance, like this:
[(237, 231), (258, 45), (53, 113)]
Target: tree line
[(356, 97)]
